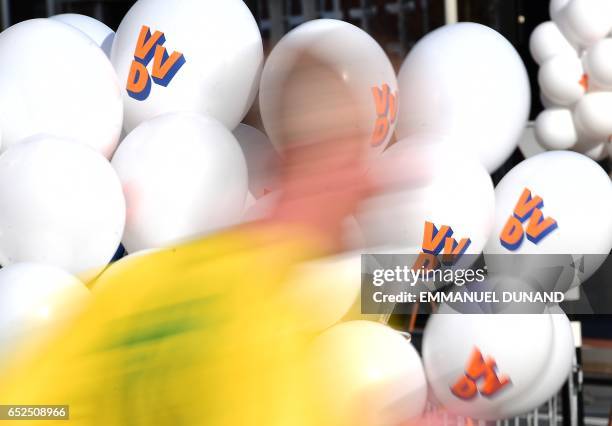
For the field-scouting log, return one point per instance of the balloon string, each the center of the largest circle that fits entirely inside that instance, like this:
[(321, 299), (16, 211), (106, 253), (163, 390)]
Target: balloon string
[(413, 317)]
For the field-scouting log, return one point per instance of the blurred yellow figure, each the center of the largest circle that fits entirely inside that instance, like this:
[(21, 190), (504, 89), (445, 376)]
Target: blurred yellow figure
[(202, 334), (188, 336)]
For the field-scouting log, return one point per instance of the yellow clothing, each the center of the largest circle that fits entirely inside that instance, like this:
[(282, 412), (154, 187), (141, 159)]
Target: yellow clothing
[(187, 336)]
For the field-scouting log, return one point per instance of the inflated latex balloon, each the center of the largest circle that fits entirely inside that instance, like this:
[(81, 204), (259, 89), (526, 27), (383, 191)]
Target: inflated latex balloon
[(547, 41), (508, 290), (352, 235), (322, 291), (183, 175), (584, 22), (368, 373), (598, 64), (547, 103), (555, 130), (529, 144), (555, 203), (557, 370), (425, 179), (592, 115), (249, 202), (595, 149), (461, 351), (263, 161), (99, 32), (450, 83), (60, 204), (578, 78), (262, 207), (59, 83), (561, 79), (188, 55), (328, 80), (556, 6), (34, 298)]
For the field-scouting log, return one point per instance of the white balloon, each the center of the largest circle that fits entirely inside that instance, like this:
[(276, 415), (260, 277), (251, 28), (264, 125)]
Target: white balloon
[(322, 291), (249, 202), (59, 83), (528, 143), (262, 159), (556, 372), (555, 129), (576, 193), (367, 373), (221, 63), (598, 64), (584, 22), (329, 79), (556, 6), (34, 297), (546, 41), (561, 79), (183, 175), (590, 145), (60, 204), (426, 179), (100, 33), (262, 207), (352, 235), (594, 149), (547, 103), (451, 83), (593, 114), (449, 342)]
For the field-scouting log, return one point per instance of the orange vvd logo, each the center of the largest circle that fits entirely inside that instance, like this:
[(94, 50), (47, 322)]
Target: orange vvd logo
[(150, 47), (538, 227), (479, 370), (386, 113), (436, 241)]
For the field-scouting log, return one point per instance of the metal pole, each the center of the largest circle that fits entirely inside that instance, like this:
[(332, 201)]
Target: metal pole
[(50, 7), (277, 21), (425, 16), (579, 390), (99, 11), (6, 14), (550, 413), (309, 10), (451, 11), (566, 400)]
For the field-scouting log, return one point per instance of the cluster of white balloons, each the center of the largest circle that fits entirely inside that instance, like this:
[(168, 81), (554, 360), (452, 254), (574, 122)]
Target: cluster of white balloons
[(573, 51), (456, 121), (71, 191), (69, 195), (459, 119), (75, 186), (534, 352)]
